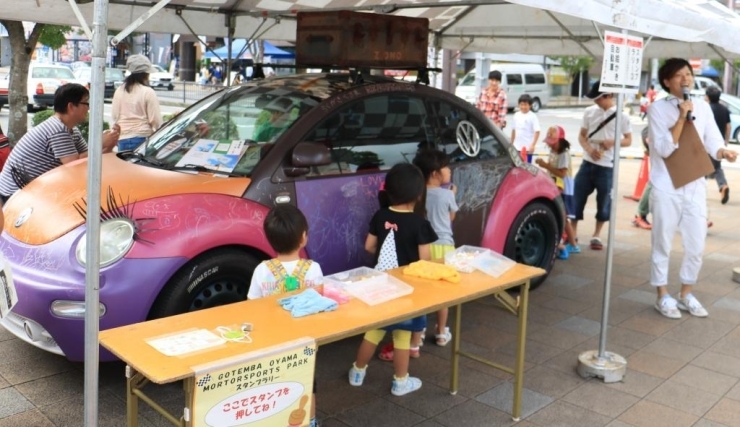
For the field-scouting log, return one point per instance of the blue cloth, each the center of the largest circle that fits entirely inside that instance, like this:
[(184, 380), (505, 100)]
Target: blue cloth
[(307, 302)]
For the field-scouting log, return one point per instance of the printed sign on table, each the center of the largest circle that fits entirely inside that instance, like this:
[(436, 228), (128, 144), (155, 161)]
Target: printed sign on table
[(270, 387), (622, 65), (8, 296)]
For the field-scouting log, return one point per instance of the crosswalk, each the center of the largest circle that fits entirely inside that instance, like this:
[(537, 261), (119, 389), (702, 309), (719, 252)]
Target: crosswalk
[(577, 115)]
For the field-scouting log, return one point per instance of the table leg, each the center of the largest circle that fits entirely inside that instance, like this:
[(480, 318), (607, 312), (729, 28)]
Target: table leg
[(521, 342), (132, 400), (189, 386), (457, 321)]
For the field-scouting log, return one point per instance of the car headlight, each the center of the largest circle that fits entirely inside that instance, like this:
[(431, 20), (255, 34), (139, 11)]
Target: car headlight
[(116, 238)]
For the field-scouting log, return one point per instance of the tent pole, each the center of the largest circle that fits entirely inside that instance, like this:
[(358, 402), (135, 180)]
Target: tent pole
[(602, 364), (92, 253), (572, 36)]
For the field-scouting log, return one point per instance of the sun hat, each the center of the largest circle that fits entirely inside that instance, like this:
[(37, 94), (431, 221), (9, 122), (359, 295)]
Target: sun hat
[(139, 64), (561, 135)]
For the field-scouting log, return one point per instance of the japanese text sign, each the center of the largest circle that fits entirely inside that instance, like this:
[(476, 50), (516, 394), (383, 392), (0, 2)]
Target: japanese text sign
[(269, 387), (622, 65)]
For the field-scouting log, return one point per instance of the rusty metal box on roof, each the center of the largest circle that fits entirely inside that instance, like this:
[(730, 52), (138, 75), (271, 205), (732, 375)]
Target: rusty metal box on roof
[(362, 40)]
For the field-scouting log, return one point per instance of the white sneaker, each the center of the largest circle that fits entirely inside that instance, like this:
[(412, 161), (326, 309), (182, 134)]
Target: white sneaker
[(667, 307), (692, 305), (356, 375), (405, 386)]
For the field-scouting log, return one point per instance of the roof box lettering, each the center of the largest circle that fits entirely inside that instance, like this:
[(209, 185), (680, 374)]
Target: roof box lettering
[(345, 39)]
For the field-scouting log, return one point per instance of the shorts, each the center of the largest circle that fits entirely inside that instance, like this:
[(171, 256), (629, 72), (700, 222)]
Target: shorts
[(439, 251), (592, 177), (401, 338)]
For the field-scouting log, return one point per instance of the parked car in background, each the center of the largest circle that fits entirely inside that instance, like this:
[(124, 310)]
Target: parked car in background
[(160, 78), (733, 104), (185, 210), (517, 80), (43, 81), (113, 78)]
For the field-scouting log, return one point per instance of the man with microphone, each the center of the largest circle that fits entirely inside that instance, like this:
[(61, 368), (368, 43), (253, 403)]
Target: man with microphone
[(684, 208)]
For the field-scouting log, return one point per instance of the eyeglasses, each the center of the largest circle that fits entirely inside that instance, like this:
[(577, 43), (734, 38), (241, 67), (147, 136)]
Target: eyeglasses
[(84, 103)]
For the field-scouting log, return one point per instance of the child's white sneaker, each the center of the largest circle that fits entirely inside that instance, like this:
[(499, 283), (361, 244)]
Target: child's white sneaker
[(402, 386), (356, 375)]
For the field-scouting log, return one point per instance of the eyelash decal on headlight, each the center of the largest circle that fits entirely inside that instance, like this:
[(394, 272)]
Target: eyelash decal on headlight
[(118, 209), (20, 176)]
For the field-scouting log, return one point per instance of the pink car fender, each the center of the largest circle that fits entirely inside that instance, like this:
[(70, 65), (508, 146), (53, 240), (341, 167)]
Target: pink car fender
[(516, 192)]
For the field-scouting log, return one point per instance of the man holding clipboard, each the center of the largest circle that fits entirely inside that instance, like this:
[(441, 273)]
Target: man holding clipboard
[(681, 131)]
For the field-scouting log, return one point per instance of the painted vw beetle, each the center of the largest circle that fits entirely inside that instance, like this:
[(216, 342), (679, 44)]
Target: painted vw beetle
[(182, 223)]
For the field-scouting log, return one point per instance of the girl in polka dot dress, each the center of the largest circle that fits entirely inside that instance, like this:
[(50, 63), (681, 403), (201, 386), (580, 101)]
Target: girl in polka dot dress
[(399, 235)]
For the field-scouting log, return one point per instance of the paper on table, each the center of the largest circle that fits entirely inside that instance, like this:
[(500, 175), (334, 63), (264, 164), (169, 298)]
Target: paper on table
[(186, 342), (690, 160), (219, 156)]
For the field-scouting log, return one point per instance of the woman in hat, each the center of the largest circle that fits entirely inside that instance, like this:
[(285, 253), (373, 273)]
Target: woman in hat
[(135, 105)]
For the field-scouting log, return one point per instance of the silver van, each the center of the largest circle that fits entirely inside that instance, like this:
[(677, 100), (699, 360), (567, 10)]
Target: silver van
[(517, 79)]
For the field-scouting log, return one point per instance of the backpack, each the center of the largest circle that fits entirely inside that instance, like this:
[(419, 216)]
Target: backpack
[(288, 282)]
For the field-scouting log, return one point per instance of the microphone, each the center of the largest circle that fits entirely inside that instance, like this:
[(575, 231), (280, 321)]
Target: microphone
[(686, 97)]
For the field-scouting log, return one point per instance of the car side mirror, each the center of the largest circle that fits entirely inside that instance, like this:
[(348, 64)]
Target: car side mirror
[(306, 155)]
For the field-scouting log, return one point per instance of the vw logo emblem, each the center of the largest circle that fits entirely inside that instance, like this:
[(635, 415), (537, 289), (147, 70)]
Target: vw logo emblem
[(468, 138), (23, 217)]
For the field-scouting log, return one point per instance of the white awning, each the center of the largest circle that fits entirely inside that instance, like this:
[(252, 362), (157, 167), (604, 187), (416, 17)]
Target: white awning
[(685, 28)]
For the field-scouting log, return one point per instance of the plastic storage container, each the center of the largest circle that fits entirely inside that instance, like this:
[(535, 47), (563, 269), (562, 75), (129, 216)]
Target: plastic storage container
[(370, 286), (466, 259)]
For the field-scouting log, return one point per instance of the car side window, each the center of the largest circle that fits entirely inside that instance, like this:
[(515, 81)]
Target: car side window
[(449, 123), (373, 134), (534, 79), (513, 79)]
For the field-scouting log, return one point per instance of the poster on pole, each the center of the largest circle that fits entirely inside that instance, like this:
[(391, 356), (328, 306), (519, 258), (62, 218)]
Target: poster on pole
[(268, 387), (622, 65)]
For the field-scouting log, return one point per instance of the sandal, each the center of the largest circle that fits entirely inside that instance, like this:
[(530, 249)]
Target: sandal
[(443, 338), (596, 244), (386, 353)]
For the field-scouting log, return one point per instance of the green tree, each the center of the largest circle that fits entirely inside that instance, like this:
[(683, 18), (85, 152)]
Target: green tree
[(54, 36), (574, 65), (21, 50)]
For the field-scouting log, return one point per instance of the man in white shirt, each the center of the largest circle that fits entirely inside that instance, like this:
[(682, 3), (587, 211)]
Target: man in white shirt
[(526, 129), (597, 138), (683, 208)]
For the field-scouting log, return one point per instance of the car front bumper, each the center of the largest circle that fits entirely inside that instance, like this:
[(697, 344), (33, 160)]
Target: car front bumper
[(47, 273)]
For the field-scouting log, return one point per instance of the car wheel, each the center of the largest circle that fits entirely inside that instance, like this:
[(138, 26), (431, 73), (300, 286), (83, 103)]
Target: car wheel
[(736, 135), (533, 239), (536, 105), (214, 278)]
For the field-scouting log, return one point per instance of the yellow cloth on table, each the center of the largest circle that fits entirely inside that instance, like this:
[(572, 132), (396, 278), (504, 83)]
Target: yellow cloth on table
[(433, 271)]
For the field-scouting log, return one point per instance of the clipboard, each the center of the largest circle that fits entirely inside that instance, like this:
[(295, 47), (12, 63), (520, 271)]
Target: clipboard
[(690, 161)]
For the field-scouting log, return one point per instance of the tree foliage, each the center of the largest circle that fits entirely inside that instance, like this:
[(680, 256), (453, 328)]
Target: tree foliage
[(574, 64), (54, 36)]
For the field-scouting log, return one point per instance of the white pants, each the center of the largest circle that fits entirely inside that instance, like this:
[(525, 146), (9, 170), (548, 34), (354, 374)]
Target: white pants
[(687, 212)]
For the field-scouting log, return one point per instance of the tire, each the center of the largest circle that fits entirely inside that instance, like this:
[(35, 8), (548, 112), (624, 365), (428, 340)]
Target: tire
[(736, 135), (171, 87), (536, 105), (214, 278), (533, 239)]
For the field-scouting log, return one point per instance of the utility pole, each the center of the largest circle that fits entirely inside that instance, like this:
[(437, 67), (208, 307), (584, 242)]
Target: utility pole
[(727, 80)]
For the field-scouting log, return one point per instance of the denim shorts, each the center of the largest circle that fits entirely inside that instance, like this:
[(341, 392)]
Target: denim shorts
[(129, 144), (592, 177)]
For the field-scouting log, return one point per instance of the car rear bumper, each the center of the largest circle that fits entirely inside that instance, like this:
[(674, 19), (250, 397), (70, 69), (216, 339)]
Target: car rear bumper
[(44, 100)]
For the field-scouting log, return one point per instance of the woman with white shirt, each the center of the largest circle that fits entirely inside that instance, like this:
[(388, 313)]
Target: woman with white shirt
[(135, 105), (683, 208)]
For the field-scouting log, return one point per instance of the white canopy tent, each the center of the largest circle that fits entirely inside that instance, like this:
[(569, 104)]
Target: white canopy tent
[(687, 28)]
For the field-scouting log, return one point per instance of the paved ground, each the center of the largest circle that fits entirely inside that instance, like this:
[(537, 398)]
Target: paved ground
[(681, 373)]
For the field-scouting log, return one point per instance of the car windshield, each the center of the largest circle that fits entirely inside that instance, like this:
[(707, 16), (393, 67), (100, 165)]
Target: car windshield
[(52, 73), (229, 132)]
